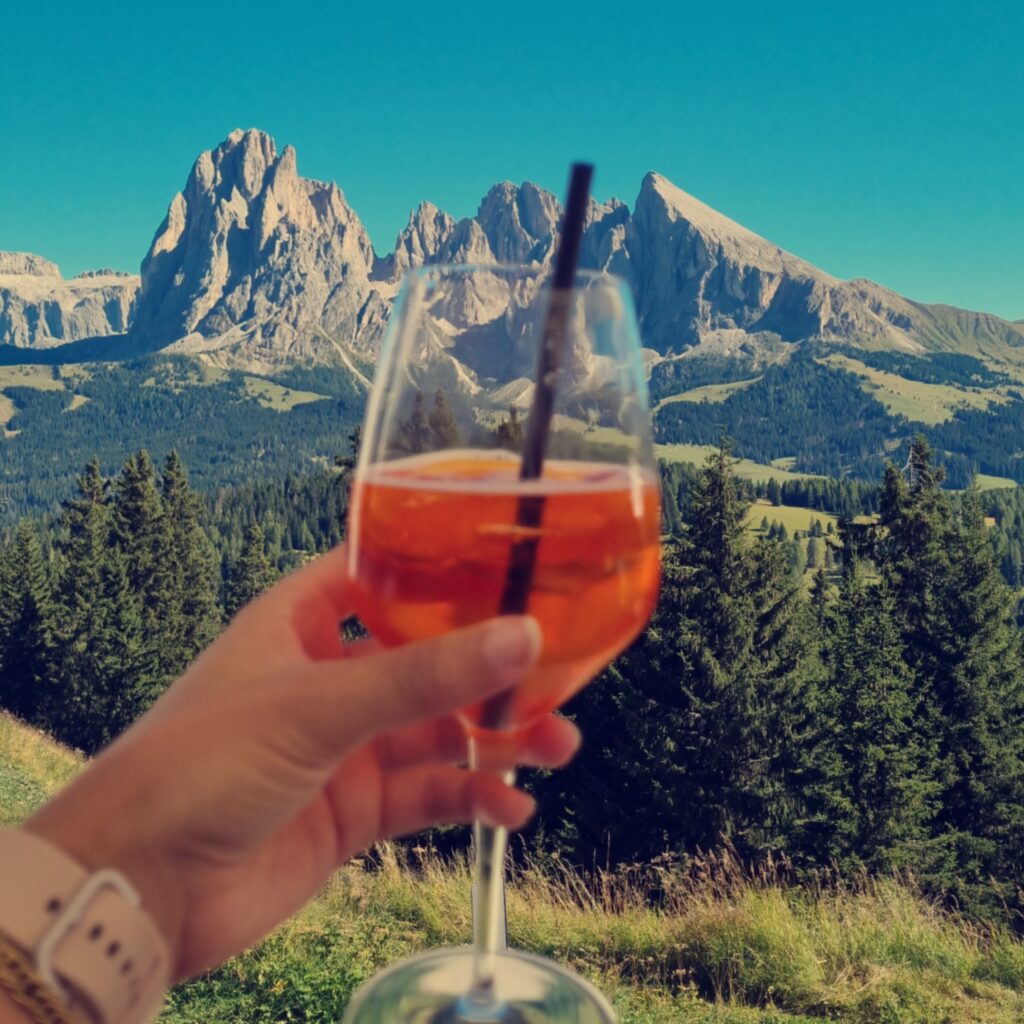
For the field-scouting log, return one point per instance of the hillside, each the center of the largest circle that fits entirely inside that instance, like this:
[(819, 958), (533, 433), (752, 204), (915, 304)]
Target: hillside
[(722, 947), (32, 767)]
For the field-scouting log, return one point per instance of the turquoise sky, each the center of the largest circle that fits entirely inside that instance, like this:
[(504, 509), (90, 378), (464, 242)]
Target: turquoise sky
[(876, 140)]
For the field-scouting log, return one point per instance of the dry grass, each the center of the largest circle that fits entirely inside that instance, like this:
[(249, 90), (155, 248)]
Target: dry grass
[(32, 766), (708, 942)]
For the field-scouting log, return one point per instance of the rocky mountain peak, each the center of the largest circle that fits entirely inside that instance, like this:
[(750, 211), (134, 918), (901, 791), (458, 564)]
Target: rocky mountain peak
[(27, 263), (240, 162), (255, 261), (520, 222), (424, 237)]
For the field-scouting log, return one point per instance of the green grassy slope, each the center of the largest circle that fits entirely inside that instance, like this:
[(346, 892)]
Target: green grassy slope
[(32, 766), (724, 947)]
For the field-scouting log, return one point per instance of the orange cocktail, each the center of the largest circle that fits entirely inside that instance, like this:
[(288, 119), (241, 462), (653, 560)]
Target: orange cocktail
[(431, 537)]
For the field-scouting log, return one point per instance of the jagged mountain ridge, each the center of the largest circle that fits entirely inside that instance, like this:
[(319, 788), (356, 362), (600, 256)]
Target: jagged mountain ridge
[(258, 268), (39, 308), (305, 283)]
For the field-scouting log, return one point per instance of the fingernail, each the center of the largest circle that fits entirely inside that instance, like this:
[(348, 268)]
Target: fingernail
[(511, 645)]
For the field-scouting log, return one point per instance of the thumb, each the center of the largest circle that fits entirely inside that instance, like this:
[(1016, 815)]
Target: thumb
[(339, 704)]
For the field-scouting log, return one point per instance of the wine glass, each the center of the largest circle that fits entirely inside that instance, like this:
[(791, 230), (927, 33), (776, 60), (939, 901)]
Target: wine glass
[(479, 493)]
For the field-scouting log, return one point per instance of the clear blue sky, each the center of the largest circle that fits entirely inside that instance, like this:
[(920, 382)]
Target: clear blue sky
[(882, 140)]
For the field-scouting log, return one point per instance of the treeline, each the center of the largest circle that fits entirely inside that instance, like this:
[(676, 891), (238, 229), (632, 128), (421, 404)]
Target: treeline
[(812, 412), (102, 609), (217, 424), (820, 416), (930, 368), (872, 724)]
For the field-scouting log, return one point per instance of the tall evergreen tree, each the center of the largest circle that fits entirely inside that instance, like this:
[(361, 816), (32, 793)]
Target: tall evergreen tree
[(959, 636), (142, 531), (876, 792), (509, 432), (444, 427), (106, 676), (692, 733), (137, 524), (414, 435), (978, 690), (814, 555), (251, 574), (27, 655), (194, 608)]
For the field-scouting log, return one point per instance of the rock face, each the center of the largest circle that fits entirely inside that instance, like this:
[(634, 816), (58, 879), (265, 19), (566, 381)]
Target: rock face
[(258, 264), (695, 273), (39, 309), (698, 278)]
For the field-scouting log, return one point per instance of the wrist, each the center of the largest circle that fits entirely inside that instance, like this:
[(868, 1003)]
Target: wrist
[(96, 839), (74, 943)]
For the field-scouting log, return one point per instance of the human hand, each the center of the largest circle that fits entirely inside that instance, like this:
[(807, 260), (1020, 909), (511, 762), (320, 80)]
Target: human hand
[(283, 752)]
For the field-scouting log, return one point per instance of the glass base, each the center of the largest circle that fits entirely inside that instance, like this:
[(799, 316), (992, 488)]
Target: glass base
[(432, 989)]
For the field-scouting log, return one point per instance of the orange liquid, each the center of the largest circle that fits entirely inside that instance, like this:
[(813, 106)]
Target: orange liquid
[(430, 538)]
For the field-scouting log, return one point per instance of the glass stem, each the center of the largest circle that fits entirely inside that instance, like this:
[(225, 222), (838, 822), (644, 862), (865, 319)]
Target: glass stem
[(489, 928)]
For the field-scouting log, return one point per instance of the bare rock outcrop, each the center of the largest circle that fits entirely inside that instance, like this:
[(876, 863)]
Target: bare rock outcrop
[(40, 309)]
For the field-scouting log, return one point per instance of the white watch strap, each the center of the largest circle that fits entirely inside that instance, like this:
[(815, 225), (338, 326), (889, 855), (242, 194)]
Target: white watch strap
[(87, 934)]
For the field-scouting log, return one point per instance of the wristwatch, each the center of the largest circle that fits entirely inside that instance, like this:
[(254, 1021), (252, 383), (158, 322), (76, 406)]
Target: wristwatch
[(87, 934)]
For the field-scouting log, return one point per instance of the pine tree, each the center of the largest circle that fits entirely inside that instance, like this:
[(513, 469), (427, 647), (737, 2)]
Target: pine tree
[(876, 794), (820, 598), (692, 732), (444, 428), (251, 574), (414, 435), (959, 637), (814, 552), (143, 532), (106, 676), (26, 626), (978, 690), (137, 514), (196, 576), (348, 461), (509, 433)]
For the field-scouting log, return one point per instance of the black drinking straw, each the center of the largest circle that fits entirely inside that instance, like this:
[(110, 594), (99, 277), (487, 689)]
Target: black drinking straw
[(530, 508)]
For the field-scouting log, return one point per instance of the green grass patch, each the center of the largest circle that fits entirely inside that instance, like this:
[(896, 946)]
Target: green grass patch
[(32, 766), (986, 482), (919, 402), (698, 454), (39, 377), (713, 393), (792, 517), (276, 396), (723, 946)]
